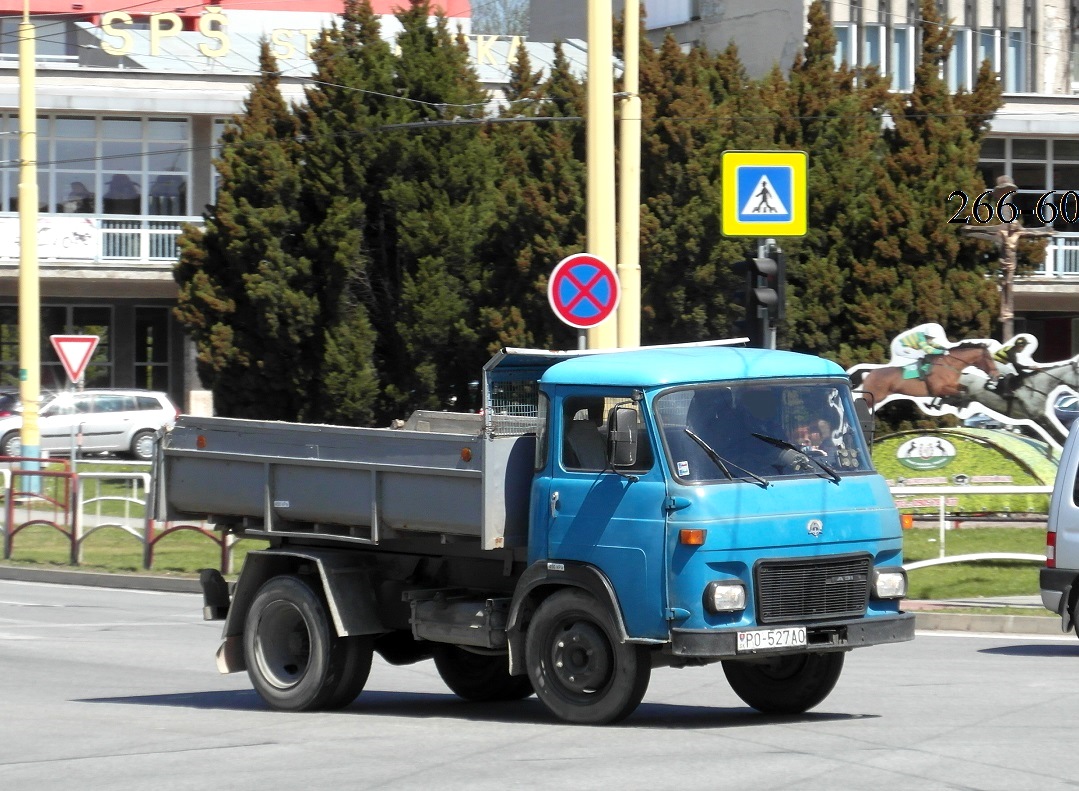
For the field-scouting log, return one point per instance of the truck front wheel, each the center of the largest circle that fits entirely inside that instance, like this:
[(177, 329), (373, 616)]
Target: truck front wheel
[(789, 684), (578, 666), (479, 677), (294, 660)]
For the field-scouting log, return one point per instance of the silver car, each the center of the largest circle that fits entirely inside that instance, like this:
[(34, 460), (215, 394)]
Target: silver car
[(95, 421)]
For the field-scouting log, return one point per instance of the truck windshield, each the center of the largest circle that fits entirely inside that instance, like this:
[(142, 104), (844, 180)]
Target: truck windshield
[(760, 431)]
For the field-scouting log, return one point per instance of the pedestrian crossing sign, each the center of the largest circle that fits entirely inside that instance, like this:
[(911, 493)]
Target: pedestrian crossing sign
[(764, 193)]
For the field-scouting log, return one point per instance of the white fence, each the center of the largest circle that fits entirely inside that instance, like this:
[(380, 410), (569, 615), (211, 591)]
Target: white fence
[(943, 493)]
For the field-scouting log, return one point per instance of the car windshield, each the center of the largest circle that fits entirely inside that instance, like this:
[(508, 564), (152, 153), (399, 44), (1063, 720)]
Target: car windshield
[(760, 431)]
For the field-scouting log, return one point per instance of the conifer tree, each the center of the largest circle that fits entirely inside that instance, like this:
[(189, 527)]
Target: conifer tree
[(438, 213), (345, 107), (689, 288), (920, 270), (835, 116), (540, 205), (246, 295)]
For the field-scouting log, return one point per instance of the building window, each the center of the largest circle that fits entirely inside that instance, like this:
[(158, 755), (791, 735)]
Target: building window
[(1039, 167), (1015, 80), (152, 348), (215, 178), (104, 165), (76, 320), (873, 46), (667, 13), (54, 38), (989, 47), (902, 62), (9, 346), (957, 67), (58, 320), (844, 45)]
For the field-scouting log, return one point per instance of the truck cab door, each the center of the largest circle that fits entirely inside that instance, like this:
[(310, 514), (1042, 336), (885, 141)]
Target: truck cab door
[(611, 520)]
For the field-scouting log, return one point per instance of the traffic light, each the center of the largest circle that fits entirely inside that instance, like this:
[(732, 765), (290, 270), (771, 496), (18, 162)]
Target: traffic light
[(765, 298)]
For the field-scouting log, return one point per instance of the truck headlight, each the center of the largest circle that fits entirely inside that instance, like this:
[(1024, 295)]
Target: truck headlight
[(889, 583), (725, 596)]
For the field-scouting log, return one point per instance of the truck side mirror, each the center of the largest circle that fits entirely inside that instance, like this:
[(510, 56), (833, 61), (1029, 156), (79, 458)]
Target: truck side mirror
[(622, 437)]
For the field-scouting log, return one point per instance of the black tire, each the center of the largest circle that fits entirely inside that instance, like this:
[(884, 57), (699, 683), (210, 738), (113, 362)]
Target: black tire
[(293, 658), (790, 684), (11, 445), (142, 445), (578, 666), (479, 677), (355, 663)]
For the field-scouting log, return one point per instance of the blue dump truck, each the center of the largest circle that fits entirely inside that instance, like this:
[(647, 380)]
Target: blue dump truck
[(604, 514)]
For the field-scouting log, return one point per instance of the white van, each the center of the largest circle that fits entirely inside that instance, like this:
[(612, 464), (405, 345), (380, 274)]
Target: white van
[(1059, 580)]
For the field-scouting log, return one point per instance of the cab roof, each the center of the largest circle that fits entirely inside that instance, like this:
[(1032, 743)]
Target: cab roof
[(683, 365)]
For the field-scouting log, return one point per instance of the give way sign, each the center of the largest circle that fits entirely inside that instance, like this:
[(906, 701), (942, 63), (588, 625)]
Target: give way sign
[(74, 352)]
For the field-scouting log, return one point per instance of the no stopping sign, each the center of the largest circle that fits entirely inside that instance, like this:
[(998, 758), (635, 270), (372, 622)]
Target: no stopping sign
[(583, 290)]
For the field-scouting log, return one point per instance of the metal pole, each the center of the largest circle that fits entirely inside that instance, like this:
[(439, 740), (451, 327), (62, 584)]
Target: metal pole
[(29, 283), (600, 153), (629, 185)]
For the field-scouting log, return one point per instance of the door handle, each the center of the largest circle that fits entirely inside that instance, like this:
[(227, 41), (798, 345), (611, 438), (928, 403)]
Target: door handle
[(554, 504)]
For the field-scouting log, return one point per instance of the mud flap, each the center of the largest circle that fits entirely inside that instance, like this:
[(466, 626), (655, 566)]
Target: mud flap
[(230, 655)]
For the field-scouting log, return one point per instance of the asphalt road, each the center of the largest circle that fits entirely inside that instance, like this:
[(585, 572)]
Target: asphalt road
[(104, 688)]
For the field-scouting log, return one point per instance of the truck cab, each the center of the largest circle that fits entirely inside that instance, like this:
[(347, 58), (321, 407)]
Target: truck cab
[(723, 504)]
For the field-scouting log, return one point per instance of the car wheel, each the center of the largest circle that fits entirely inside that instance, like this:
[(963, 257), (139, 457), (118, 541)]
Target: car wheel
[(11, 444), (142, 445)]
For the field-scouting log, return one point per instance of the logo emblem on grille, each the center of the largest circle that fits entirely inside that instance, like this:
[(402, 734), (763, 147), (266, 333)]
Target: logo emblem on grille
[(815, 527)]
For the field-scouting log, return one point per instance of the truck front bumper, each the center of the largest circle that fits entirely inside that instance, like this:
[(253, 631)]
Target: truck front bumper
[(824, 636)]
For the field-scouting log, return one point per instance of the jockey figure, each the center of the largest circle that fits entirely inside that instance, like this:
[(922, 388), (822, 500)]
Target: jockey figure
[(1014, 362), (919, 344)]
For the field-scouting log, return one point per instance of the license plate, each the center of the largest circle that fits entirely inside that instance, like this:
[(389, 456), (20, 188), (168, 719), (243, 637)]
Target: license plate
[(771, 639)]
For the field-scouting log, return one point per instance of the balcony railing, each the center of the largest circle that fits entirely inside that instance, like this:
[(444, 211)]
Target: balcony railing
[(141, 239), (1061, 257)]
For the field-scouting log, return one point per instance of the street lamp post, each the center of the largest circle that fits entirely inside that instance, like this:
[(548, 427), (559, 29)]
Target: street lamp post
[(29, 278), (1006, 236)]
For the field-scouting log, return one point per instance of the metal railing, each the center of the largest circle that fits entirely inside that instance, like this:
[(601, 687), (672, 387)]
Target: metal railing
[(140, 238), (79, 504), (1061, 257)]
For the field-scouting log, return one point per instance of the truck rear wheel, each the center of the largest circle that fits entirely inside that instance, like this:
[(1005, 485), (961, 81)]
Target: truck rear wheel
[(789, 684), (479, 677), (579, 667), (294, 660)]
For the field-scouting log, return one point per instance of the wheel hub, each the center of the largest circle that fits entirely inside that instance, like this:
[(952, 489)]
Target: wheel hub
[(581, 658), (284, 645)]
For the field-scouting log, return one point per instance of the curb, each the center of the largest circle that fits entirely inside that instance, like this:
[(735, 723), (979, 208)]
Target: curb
[(923, 620), (1003, 624), (101, 580)]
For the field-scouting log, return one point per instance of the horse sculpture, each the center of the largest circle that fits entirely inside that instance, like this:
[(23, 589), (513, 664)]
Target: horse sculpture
[(941, 382), (1029, 399)]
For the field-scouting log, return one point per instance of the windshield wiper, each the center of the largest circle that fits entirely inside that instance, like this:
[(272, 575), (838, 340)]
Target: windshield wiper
[(722, 463), (781, 443)]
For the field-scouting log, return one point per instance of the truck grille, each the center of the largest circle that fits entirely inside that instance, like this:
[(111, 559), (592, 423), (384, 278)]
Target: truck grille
[(790, 590)]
